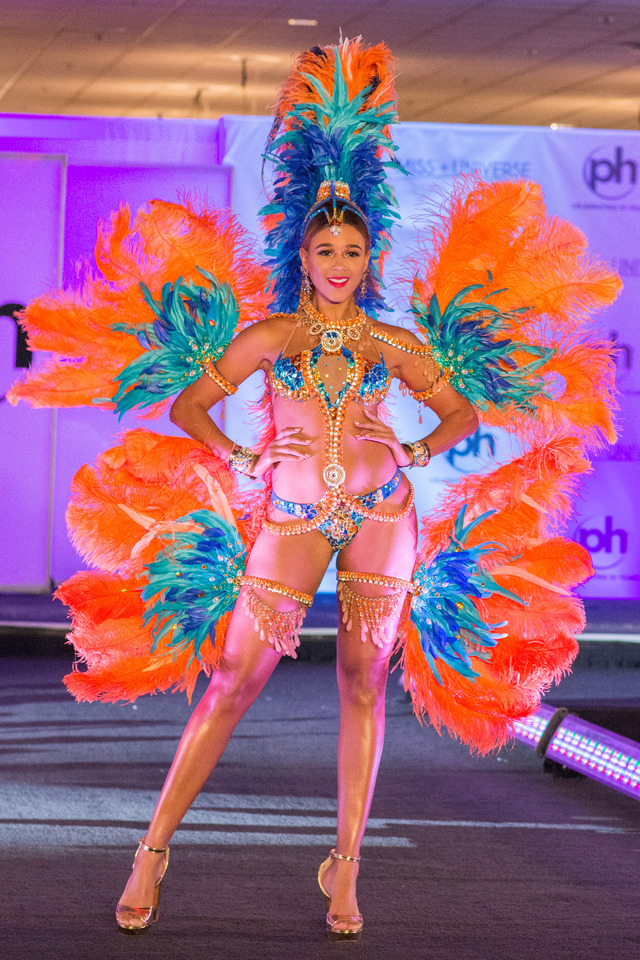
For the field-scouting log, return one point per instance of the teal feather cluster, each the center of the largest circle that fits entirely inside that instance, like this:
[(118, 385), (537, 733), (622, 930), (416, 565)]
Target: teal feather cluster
[(193, 327), (469, 344), (337, 139), (194, 582), (442, 608)]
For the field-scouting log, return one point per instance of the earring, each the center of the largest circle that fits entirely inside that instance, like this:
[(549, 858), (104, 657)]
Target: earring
[(363, 284), (305, 288)]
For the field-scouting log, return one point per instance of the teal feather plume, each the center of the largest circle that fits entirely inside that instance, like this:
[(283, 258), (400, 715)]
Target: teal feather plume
[(194, 325), (470, 344), (194, 582)]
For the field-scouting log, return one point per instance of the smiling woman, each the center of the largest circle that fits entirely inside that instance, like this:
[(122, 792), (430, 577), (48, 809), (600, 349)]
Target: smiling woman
[(219, 579), (335, 264)]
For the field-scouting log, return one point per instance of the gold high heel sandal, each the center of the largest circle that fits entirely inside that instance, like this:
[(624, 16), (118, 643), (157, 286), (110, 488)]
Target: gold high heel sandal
[(139, 919), (354, 922)]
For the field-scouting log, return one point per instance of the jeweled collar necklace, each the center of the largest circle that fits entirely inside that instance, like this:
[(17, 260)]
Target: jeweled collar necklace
[(332, 333)]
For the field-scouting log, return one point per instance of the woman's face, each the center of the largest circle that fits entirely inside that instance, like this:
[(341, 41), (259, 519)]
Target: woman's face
[(335, 265)]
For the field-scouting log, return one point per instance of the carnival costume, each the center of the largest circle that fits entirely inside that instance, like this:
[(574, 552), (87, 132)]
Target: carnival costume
[(501, 298)]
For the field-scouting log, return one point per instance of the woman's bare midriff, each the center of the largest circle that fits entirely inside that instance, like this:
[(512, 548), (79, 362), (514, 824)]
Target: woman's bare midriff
[(368, 465)]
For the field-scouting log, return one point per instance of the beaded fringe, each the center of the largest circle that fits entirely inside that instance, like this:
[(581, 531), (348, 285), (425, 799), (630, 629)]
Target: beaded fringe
[(375, 613), (279, 628)]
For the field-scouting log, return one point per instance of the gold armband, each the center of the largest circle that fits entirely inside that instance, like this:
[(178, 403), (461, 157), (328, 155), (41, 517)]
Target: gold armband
[(212, 371)]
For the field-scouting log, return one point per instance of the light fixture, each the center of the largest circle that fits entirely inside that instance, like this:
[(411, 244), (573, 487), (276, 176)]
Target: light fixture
[(302, 23), (597, 753)]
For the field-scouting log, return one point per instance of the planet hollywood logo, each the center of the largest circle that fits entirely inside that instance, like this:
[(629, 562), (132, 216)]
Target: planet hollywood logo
[(606, 542), (473, 446), (610, 174)]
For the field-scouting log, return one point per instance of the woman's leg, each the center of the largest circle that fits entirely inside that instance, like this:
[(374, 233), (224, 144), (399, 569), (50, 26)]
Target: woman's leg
[(387, 549), (246, 665)]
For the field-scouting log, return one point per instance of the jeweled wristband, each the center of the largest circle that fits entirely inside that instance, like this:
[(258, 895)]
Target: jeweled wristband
[(420, 452), (241, 460)]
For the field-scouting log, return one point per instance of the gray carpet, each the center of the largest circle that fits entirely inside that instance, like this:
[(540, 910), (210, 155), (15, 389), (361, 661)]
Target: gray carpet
[(465, 857)]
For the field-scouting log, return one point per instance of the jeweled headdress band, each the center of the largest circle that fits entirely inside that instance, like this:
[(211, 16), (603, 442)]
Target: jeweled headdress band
[(335, 190)]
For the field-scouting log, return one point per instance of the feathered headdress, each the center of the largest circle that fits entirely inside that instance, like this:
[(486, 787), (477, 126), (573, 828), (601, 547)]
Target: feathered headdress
[(330, 140)]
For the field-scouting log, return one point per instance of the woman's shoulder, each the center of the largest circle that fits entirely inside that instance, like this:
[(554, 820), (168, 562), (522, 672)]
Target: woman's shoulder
[(399, 337), (272, 327)]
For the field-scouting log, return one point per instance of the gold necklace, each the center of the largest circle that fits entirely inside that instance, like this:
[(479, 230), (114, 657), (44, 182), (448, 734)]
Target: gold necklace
[(332, 333)]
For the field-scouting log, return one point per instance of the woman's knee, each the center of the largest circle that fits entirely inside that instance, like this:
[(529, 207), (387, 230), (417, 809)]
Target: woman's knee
[(362, 683), (235, 685)]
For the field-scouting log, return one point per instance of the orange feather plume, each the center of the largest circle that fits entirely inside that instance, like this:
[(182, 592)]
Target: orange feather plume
[(167, 241), (362, 67)]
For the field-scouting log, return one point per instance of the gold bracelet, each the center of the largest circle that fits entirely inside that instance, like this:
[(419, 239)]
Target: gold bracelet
[(420, 452), (241, 460)]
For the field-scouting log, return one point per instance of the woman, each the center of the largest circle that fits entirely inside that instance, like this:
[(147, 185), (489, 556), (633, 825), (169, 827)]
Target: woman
[(324, 448), (492, 621)]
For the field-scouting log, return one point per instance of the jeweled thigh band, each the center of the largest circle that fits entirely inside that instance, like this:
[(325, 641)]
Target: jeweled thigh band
[(280, 628), (376, 614)]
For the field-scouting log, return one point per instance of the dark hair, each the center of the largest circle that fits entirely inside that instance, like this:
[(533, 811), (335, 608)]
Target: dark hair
[(320, 220)]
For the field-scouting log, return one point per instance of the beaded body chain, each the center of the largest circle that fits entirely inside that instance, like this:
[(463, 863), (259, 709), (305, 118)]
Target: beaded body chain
[(338, 507)]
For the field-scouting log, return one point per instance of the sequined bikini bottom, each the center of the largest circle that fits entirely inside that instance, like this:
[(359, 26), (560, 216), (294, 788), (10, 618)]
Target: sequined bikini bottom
[(339, 514)]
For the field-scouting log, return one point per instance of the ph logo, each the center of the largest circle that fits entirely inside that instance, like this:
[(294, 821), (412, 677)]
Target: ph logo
[(610, 177), (471, 447), (606, 543)]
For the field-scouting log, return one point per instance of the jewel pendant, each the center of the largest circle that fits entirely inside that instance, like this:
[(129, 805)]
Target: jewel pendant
[(331, 341), (333, 474), (335, 229)]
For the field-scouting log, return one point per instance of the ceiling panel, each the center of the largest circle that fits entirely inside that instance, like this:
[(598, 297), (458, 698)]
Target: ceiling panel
[(467, 61)]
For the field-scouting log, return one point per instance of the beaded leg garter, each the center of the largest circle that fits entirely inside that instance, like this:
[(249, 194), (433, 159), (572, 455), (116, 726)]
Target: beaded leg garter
[(280, 628), (375, 613)]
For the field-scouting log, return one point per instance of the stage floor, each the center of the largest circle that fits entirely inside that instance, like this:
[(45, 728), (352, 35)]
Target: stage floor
[(464, 858)]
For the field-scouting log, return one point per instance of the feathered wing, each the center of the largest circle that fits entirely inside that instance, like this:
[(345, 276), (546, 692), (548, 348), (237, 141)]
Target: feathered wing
[(167, 533), (504, 296), (162, 301)]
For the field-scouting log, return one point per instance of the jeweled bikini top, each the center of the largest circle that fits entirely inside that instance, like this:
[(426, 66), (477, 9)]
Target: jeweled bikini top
[(330, 361), (288, 380), (335, 376)]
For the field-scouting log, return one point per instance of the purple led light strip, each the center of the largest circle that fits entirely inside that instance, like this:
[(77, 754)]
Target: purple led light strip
[(583, 746)]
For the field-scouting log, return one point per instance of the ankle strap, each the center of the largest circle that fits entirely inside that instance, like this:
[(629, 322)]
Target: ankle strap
[(340, 856), (149, 849)]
